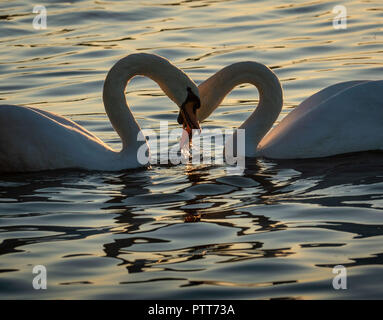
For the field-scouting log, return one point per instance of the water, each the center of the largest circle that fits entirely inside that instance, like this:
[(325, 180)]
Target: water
[(274, 232)]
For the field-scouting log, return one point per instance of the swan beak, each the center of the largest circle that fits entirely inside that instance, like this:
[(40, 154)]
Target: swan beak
[(188, 117)]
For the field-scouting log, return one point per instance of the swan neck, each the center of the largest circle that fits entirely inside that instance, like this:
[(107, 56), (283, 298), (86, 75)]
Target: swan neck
[(214, 90), (160, 70)]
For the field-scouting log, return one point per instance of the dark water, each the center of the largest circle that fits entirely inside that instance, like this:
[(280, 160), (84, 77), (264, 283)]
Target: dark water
[(187, 231)]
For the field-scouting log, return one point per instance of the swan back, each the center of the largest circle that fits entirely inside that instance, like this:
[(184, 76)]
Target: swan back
[(342, 121), (30, 141)]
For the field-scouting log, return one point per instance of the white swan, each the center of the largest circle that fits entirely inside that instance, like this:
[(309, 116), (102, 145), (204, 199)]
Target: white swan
[(35, 140), (342, 118)]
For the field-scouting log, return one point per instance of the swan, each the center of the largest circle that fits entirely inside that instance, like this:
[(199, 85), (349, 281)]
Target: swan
[(36, 140), (342, 118)]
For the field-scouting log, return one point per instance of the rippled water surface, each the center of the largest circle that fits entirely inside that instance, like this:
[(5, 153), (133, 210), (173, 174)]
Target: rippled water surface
[(185, 231)]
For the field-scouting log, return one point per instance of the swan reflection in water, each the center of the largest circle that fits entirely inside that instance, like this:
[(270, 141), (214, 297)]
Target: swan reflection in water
[(143, 210), (266, 187)]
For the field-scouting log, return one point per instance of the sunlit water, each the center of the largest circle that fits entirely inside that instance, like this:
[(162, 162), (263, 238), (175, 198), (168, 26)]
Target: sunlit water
[(276, 231)]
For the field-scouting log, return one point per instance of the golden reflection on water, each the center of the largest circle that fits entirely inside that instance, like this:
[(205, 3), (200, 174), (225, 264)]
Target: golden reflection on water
[(179, 231)]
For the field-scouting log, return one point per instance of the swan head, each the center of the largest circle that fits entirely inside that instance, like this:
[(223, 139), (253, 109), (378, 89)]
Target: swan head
[(180, 89), (187, 116)]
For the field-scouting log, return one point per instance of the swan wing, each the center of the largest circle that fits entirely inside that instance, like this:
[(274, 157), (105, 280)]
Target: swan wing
[(66, 122), (347, 117), (316, 99), (31, 141)]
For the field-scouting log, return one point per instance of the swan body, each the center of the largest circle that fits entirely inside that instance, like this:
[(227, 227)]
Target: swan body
[(345, 121), (342, 118), (35, 140)]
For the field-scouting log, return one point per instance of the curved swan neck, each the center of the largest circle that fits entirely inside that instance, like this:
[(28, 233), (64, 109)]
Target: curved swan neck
[(152, 66), (214, 90)]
